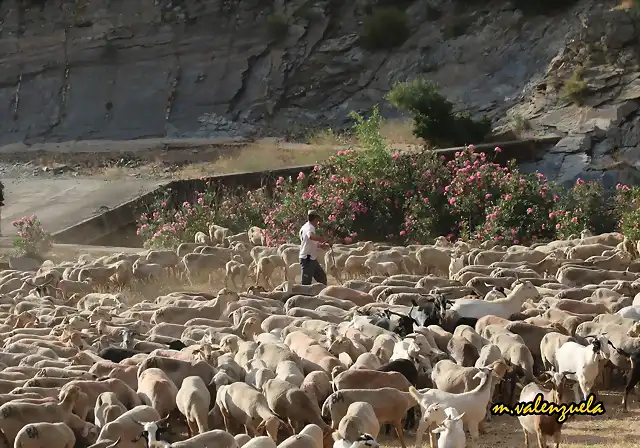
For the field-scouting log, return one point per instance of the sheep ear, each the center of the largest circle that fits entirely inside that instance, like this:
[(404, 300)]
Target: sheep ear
[(458, 417)]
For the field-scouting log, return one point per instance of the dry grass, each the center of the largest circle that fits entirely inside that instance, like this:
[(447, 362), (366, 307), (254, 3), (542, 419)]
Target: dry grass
[(114, 173), (258, 157), (399, 131)]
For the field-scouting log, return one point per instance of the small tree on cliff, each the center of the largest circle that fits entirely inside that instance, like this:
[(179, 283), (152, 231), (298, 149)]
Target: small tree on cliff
[(434, 119)]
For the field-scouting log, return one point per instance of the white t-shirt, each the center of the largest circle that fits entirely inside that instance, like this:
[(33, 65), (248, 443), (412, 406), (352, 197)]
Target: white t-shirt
[(308, 247)]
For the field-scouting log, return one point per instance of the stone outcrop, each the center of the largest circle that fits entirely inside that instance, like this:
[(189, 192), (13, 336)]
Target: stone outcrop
[(113, 69), (590, 94)]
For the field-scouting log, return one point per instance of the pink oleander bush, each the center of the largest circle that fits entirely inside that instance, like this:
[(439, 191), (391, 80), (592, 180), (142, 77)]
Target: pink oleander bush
[(585, 206), (627, 205), (166, 226), (372, 193), (32, 239)]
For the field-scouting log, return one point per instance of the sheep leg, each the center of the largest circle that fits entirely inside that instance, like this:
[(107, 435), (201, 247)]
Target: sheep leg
[(225, 418), (190, 426), (634, 377), (422, 428), (526, 438), (398, 426), (475, 434), (542, 443), (481, 427)]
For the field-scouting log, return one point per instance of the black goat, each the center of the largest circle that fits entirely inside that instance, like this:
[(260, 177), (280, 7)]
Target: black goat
[(429, 314), (117, 354), (408, 369), (176, 344), (404, 325), (403, 366)]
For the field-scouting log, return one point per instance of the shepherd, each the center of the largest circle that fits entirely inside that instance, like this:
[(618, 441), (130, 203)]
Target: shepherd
[(309, 243)]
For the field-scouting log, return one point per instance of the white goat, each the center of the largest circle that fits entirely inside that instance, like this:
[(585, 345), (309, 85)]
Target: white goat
[(451, 431), (477, 308), (584, 361), (473, 404)]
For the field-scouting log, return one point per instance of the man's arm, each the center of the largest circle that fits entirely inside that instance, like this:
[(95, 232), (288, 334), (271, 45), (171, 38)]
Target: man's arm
[(313, 237)]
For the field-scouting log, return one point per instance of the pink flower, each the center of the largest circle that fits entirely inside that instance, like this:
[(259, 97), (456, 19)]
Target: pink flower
[(201, 201), (507, 197), (574, 220), (300, 175), (185, 204), (529, 211), (579, 181), (280, 180), (552, 215), (498, 149), (558, 226), (516, 242), (452, 201), (332, 217), (471, 147), (164, 204), (488, 196), (425, 200), (348, 240), (395, 155)]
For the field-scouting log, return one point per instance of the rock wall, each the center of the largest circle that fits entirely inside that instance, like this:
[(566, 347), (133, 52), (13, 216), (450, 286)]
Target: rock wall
[(116, 69), (590, 96)]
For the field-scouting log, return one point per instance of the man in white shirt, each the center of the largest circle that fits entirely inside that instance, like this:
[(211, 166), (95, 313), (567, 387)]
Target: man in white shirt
[(309, 243)]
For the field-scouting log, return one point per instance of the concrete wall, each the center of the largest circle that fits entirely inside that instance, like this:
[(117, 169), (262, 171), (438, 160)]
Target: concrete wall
[(117, 226)]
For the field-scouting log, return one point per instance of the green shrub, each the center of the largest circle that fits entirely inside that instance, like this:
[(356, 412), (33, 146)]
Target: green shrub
[(575, 88), (433, 116), (277, 25), (385, 28)]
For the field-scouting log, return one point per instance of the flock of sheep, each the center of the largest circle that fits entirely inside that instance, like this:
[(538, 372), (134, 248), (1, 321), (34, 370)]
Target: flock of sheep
[(410, 339)]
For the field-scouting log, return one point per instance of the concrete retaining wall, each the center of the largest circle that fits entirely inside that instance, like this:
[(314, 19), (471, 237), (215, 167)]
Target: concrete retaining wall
[(117, 226)]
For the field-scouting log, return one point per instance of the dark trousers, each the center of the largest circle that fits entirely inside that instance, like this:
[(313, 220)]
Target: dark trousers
[(311, 269)]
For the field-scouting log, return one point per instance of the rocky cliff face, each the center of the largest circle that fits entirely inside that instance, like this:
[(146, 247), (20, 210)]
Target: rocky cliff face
[(115, 69), (590, 95)]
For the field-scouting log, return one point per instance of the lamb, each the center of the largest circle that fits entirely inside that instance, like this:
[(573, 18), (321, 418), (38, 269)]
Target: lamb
[(390, 406), (359, 419), (193, 401), (45, 435), (248, 406), (289, 402), (104, 401), (472, 404), (235, 269), (451, 430), (157, 390)]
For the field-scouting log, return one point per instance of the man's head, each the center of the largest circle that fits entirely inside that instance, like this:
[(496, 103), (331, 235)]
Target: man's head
[(313, 217)]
